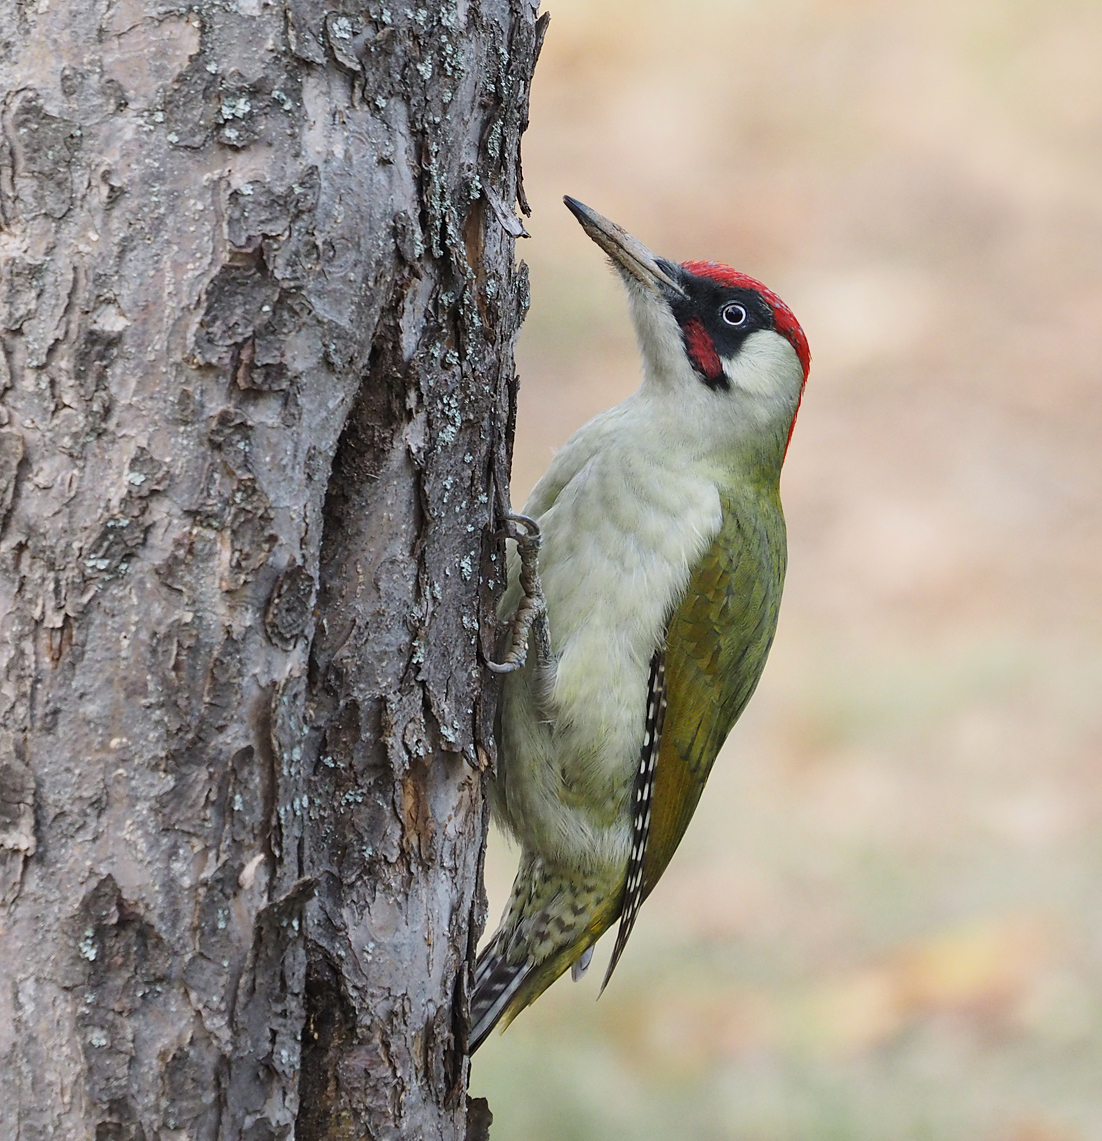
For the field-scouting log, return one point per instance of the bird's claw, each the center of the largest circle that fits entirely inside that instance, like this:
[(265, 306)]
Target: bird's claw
[(532, 610)]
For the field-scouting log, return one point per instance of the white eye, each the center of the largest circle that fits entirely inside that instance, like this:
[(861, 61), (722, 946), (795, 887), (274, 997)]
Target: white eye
[(733, 314)]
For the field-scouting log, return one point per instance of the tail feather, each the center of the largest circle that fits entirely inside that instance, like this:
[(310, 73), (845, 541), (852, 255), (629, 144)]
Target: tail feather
[(552, 920), (496, 982), (487, 960)]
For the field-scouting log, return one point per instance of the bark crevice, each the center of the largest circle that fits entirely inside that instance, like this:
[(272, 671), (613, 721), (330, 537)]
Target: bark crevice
[(258, 300)]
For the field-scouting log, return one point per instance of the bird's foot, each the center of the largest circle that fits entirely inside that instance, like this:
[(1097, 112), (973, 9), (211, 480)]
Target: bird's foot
[(531, 614)]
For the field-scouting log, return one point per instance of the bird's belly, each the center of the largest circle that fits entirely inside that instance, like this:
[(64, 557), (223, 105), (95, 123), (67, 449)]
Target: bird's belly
[(616, 555)]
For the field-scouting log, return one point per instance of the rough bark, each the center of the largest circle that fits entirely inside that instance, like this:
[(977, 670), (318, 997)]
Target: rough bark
[(257, 308)]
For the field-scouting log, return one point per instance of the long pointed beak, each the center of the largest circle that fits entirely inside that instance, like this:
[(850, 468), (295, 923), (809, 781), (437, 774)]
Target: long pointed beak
[(627, 252)]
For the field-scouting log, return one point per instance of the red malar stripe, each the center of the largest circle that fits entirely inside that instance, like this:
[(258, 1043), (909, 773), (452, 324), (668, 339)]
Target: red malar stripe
[(702, 349)]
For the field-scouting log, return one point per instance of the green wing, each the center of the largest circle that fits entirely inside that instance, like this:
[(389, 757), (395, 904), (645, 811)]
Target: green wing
[(718, 638), (717, 642)]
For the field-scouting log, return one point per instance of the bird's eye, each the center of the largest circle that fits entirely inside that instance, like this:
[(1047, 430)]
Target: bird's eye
[(733, 314)]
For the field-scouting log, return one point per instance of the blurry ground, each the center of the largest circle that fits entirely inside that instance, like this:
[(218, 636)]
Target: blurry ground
[(886, 920)]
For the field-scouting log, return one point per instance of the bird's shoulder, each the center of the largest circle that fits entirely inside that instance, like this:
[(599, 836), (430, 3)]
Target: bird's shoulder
[(597, 436)]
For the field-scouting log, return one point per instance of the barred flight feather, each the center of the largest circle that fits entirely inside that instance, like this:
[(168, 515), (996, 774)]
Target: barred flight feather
[(642, 800)]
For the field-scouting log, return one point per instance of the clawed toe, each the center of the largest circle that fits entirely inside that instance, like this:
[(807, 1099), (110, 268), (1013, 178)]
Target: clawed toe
[(532, 609)]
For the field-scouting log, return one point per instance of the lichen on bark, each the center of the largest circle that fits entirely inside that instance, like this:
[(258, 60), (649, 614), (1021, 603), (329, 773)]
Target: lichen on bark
[(258, 298)]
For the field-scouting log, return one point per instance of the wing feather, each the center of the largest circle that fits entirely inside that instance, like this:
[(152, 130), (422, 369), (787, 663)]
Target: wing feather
[(701, 678), (642, 798), (717, 643)]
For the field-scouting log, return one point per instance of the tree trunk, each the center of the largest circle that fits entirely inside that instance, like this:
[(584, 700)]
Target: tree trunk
[(257, 311)]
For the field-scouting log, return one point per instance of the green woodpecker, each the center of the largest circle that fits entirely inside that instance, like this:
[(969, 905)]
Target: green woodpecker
[(650, 611)]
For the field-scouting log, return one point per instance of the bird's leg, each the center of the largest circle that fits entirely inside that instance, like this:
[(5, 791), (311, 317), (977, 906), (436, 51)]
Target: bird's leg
[(531, 613)]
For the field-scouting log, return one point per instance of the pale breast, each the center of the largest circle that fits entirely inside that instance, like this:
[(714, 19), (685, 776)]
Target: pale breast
[(619, 543)]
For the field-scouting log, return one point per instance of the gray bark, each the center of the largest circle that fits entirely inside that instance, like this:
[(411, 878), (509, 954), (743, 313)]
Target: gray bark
[(257, 309)]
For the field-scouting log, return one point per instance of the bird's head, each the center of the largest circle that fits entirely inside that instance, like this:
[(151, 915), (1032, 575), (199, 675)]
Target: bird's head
[(722, 345)]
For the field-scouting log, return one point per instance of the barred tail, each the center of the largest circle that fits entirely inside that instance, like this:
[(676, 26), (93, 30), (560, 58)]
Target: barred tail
[(496, 981), (553, 919)]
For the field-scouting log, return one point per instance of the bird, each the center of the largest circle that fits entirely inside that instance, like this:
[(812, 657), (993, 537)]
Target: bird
[(644, 585)]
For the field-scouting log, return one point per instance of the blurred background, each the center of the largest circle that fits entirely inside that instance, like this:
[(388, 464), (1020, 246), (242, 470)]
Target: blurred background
[(886, 919)]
